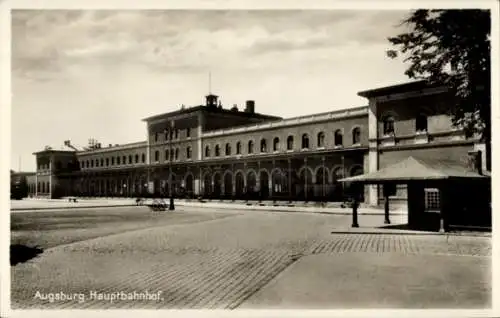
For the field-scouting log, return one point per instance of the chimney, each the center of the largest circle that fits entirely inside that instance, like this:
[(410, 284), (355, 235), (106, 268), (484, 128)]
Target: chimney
[(475, 161), (250, 107)]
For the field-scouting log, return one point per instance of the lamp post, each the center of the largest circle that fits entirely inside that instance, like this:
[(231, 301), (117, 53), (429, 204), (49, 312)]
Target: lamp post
[(170, 136)]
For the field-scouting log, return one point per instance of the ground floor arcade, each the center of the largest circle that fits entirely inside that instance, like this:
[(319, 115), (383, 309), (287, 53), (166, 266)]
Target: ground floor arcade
[(303, 178)]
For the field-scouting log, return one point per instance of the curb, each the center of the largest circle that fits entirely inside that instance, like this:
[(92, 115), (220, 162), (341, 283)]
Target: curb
[(423, 233), (71, 207), (298, 209), (245, 207)]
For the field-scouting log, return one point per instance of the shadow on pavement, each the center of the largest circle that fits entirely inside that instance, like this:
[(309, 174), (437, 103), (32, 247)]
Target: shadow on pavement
[(22, 253)]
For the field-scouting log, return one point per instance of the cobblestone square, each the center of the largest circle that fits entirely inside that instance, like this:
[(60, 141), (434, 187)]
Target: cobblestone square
[(198, 258)]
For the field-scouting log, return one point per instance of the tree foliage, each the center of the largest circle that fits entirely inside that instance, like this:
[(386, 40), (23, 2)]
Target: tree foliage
[(452, 47)]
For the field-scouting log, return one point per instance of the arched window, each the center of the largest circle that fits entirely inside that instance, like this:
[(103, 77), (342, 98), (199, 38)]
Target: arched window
[(166, 154), (321, 139), (92, 163), (421, 123), (276, 144), (97, 162), (156, 137), (188, 152), (338, 174), (207, 151), (217, 150), (388, 125), (136, 158), (166, 134), (338, 138), (188, 132), (107, 162), (228, 149), (117, 160), (102, 162), (238, 148), (263, 145), (250, 146), (124, 160), (157, 155), (289, 143), (305, 141), (130, 159), (176, 133), (176, 153), (143, 158), (356, 136)]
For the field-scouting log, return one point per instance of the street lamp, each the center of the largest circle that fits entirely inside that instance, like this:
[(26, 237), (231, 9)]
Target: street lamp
[(170, 136)]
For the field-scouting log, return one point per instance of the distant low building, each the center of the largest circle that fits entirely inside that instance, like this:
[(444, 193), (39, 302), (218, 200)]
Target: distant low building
[(22, 184)]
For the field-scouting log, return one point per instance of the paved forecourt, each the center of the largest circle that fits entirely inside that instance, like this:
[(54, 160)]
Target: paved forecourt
[(233, 261)]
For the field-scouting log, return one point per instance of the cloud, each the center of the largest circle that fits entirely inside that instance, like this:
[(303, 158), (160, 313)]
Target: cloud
[(49, 41), (365, 28)]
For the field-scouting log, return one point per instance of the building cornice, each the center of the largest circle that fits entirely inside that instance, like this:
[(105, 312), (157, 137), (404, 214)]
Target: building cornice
[(135, 145), (302, 120)]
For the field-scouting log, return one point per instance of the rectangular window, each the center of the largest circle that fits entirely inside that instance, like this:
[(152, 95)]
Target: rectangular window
[(188, 132), (432, 201)]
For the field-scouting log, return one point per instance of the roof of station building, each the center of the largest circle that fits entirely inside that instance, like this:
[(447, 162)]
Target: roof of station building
[(204, 108), (399, 88), (62, 148), (414, 169)]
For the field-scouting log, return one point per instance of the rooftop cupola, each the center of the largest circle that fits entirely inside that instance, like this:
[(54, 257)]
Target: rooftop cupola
[(211, 100)]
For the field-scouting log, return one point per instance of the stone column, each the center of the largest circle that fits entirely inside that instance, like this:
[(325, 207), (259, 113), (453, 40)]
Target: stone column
[(233, 182), (373, 157), (305, 179), (199, 141), (50, 177), (290, 180), (324, 180)]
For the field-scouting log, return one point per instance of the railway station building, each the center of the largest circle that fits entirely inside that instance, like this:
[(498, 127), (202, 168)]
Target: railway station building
[(213, 152)]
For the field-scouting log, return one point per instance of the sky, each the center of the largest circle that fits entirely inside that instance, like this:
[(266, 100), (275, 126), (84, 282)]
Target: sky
[(96, 73)]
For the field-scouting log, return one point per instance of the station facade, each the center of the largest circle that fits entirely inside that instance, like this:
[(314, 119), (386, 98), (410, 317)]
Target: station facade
[(212, 152)]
